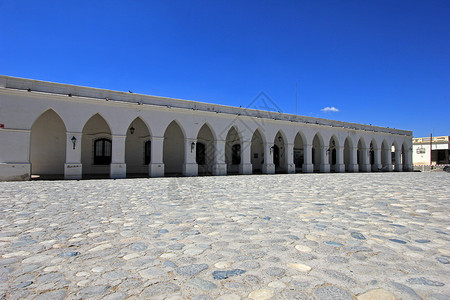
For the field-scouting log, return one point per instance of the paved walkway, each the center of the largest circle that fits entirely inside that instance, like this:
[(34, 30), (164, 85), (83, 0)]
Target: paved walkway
[(303, 236)]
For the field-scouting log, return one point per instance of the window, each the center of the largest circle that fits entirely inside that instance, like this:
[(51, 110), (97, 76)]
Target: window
[(201, 154), (147, 152), (102, 152), (236, 154)]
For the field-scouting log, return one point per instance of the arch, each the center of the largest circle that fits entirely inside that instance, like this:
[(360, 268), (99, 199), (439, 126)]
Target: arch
[(385, 155), (48, 146), (316, 151), (137, 148), (279, 152), (332, 153), (299, 156), (233, 151), (173, 149), (372, 149), (95, 130), (257, 151), (205, 150)]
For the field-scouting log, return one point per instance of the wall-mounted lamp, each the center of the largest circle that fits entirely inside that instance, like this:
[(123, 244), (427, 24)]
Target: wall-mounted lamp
[(280, 139), (131, 129), (192, 146), (271, 149), (74, 141)]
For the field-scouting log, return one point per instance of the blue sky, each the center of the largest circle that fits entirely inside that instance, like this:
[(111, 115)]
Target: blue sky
[(385, 63)]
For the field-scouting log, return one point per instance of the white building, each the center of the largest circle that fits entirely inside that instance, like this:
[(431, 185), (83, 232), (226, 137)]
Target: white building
[(51, 129), (439, 145)]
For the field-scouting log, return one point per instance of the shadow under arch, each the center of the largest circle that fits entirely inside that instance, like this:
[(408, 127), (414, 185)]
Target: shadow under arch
[(138, 148), (173, 149), (257, 151), (48, 146)]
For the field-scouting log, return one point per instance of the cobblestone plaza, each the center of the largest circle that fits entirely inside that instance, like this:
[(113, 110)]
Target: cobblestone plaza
[(298, 236)]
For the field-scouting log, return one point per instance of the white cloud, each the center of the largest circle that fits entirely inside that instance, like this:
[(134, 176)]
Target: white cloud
[(329, 109)]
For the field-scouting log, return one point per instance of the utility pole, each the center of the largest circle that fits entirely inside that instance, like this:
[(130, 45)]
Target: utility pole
[(296, 98), (431, 149)]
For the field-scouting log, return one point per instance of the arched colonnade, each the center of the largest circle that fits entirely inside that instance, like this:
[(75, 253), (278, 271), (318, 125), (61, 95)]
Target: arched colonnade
[(175, 144)]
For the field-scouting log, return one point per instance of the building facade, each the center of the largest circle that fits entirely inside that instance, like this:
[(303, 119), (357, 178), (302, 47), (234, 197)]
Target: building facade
[(439, 145), (49, 129)]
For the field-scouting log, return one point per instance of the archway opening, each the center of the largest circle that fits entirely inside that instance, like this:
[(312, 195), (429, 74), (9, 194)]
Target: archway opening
[(393, 160), (385, 153), (48, 146), (373, 167), (316, 157), (332, 154), (279, 157), (299, 157), (360, 154), (96, 148), (257, 152), (173, 150), (137, 149), (233, 151), (205, 151)]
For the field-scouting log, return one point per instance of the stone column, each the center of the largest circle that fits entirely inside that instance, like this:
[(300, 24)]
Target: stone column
[(73, 169), (408, 161), (289, 152), (340, 166), (398, 160), (219, 167), (156, 165), (268, 166), (377, 166), (365, 161), (325, 165), (388, 161), (118, 168), (308, 166), (245, 168), (190, 167), (353, 166)]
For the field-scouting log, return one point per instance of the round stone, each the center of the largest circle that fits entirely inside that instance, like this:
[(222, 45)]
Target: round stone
[(262, 294), (300, 267), (275, 271)]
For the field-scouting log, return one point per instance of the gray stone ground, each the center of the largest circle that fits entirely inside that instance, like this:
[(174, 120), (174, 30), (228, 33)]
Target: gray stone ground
[(303, 236)]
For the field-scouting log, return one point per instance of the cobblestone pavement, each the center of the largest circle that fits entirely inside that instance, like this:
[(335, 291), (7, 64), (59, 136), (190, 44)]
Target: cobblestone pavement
[(302, 236)]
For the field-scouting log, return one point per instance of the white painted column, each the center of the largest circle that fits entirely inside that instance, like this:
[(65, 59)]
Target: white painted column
[(268, 166), (245, 168), (156, 165), (219, 167), (190, 167), (308, 166), (377, 166), (365, 160), (353, 166), (408, 161), (398, 160), (340, 166), (388, 161), (289, 152), (15, 154), (118, 168), (325, 165), (73, 169)]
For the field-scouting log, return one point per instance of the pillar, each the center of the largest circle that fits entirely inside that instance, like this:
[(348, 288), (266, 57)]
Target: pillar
[(308, 166), (245, 168), (408, 161), (219, 167), (73, 169), (15, 154), (365, 160), (377, 166), (340, 166), (289, 152), (190, 167), (353, 166), (387, 164), (325, 165), (118, 168), (268, 165), (398, 159), (156, 165)]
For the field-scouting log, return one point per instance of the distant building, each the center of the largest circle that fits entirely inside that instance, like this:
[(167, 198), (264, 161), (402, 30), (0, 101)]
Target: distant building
[(440, 146)]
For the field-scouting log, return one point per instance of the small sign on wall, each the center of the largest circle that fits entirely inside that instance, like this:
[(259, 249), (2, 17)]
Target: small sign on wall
[(2, 125)]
